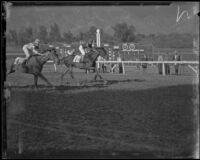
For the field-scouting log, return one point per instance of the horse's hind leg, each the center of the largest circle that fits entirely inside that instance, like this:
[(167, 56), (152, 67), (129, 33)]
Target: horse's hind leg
[(10, 70), (97, 74), (71, 73), (35, 80), (44, 79)]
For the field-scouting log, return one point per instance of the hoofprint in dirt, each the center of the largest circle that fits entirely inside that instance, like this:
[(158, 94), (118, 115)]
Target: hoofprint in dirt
[(140, 114)]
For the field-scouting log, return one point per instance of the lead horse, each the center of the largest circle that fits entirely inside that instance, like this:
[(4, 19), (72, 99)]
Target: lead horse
[(34, 65), (88, 63)]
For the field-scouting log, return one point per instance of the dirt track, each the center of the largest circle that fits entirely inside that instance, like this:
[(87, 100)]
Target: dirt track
[(137, 115)]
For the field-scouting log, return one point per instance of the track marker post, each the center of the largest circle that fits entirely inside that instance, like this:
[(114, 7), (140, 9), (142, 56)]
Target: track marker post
[(123, 70), (163, 69)]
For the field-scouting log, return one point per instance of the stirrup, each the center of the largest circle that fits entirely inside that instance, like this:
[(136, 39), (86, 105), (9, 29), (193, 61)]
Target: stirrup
[(24, 62), (81, 60)]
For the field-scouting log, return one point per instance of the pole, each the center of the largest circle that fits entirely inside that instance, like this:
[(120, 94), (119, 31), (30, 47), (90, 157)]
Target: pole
[(152, 51), (55, 67), (163, 69), (123, 70), (98, 38)]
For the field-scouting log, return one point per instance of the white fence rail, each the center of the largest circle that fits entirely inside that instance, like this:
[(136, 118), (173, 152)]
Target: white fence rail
[(149, 62)]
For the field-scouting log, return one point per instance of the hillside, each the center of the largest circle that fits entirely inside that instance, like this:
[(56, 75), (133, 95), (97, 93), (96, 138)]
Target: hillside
[(149, 19)]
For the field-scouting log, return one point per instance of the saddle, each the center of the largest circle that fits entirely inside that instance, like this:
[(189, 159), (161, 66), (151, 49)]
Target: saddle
[(78, 59)]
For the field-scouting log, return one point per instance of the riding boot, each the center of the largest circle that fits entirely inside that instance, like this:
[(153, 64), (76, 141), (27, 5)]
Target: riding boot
[(24, 63)]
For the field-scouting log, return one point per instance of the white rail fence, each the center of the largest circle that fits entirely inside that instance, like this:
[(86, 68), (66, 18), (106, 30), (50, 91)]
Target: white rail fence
[(189, 63), (152, 62)]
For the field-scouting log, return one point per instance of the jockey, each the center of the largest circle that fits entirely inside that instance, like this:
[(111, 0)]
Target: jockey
[(81, 49), (91, 45), (27, 48)]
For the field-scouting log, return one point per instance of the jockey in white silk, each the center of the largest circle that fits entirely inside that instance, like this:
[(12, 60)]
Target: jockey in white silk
[(28, 48), (81, 49), (31, 47)]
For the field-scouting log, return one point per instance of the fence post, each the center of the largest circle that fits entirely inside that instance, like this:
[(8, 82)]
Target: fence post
[(163, 69), (55, 67), (123, 70)]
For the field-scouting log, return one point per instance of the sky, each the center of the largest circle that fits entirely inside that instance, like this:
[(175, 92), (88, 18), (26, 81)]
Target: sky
[(146, 19)]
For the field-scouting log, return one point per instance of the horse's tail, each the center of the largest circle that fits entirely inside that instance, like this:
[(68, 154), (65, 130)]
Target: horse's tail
[(16, 61), (10, 65)]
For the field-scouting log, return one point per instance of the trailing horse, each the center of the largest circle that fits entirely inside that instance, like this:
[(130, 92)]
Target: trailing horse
[(88, 63), (33, 66)]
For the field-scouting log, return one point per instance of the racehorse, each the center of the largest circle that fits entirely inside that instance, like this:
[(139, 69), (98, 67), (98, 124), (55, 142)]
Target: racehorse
[(88, 63), (102, 67), (33, 66)]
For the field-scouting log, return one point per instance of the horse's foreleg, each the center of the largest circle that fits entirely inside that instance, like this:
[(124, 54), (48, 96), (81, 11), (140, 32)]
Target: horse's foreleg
[(35, 80), (44, 79), (71, 73), (97, 74), (100, 76), (63, 74)]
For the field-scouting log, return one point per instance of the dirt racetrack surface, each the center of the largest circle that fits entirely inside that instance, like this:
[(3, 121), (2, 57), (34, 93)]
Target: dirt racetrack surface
[(137, 115)]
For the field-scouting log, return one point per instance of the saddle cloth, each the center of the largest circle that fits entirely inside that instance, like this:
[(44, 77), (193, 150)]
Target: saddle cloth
[(77, 58)]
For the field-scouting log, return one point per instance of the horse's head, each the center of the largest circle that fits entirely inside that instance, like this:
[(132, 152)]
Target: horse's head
[(102, 52), (53, 55)]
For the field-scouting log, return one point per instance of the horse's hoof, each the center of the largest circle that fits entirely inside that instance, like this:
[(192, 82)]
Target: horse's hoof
[(53, 87), (105, 82)]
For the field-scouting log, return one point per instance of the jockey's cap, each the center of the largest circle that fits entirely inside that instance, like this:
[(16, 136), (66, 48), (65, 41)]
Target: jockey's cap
[(81, 42), (90, 41), (37, 41)]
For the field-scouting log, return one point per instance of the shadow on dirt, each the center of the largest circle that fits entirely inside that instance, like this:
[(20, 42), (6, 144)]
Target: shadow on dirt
[(84, 154), (82, 85), (165, 111)]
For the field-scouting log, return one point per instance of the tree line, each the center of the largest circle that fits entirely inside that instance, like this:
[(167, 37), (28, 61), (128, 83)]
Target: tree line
[(122, 33)]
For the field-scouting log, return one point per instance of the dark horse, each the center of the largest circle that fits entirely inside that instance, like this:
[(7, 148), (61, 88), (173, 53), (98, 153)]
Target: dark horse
[(88, 63), (33, 66)]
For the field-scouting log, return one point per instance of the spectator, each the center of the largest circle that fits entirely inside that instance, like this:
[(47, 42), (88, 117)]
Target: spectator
[(167, 67), (144, 65), (176, 57)]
